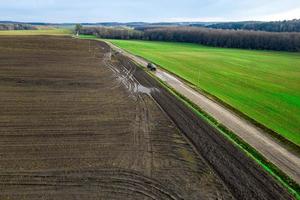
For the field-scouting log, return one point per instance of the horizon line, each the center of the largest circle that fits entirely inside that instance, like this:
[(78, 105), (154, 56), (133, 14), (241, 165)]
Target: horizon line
[(221, 21)]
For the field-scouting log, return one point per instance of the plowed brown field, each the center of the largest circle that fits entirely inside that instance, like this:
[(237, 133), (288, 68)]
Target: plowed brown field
[(78, 121)]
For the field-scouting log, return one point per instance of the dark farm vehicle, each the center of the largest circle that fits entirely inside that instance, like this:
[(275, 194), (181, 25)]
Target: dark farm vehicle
[(151, 67)]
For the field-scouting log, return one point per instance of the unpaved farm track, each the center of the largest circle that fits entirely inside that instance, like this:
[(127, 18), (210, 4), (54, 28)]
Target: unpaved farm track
[(75, 123)]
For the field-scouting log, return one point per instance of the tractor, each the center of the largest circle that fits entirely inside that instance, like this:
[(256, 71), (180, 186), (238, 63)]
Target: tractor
[(151, 67)]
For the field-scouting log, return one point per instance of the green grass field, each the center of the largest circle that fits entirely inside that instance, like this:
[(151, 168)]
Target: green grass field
[(37, 32), (264, 85)]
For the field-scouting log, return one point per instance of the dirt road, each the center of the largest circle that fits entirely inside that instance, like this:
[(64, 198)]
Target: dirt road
[(256, 137)]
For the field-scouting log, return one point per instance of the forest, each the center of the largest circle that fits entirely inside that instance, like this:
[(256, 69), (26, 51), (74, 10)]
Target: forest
[(243, 39), (275, 26)]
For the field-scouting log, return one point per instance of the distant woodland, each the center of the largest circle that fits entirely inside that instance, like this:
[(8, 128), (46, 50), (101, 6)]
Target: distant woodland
[(16, 27), (276, 26), (243, 39)]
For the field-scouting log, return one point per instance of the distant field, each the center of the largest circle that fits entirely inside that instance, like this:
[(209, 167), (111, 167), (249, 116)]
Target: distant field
[(264, 85), (37, 32)]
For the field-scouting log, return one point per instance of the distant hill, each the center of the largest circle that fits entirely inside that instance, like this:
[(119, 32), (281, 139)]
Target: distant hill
[(113, 24), (276, 26)]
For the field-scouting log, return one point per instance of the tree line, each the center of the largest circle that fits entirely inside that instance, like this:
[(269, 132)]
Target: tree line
[(228, 38), (16, 27), (276, 26), (112, 33), (211, 37)]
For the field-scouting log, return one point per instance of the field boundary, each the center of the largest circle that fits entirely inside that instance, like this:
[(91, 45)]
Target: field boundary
[(287, 143)]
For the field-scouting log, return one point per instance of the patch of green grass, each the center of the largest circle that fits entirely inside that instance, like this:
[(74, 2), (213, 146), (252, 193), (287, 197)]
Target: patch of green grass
[(53, 31), (87, 37), (264, 85)]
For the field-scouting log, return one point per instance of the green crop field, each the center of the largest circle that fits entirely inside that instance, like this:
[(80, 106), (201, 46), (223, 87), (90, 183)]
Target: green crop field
[(264, 85), (37, 32)]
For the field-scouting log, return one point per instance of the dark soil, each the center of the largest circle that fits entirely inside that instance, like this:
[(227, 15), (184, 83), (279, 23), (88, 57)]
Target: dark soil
[(76, 124)]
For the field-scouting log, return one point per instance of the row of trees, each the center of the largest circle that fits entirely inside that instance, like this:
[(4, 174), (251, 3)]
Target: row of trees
[(276, 26), (112, 33), (16, 27), (211, 37), (228, 38)]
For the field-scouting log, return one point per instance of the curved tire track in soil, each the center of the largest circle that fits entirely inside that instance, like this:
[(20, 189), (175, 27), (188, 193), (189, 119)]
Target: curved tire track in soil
[(118, 181), (140, 126)]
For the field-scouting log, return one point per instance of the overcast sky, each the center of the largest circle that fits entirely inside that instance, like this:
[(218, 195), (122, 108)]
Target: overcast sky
[(147, 10)]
